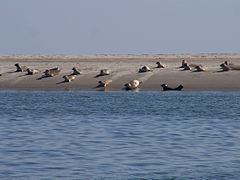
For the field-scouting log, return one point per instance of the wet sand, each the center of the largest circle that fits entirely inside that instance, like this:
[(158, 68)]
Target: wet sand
[(122, 69)]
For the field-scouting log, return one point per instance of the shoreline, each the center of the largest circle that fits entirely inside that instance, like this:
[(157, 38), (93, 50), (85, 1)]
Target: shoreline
[(122, 70)]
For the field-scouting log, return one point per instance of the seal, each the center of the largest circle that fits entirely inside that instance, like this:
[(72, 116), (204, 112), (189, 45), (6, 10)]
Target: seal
[(226, 66), (52, 72), (103, 72), (69, 78), (184, 62), (32, 71), (132, 85), (20, 68), (144, 69), (104, 83), (199, 68), (159, 65), (76, 71), (166, 88)]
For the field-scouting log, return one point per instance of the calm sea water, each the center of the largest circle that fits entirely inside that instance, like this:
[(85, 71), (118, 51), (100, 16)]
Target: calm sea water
[(119, 135)]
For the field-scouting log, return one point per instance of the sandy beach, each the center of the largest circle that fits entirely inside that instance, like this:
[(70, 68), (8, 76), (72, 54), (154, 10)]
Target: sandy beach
[(122, 70)]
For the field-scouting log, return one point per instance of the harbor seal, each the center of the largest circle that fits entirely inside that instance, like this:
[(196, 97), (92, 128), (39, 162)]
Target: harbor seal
[(52, 72), (32, 71), (104, 83), (132, 85), (69, 78), (20, 68), (166, 88), (199, 68), (76, 71), (226, 66), (103, 72), (186, 67), (159, 65), (144, 69), (184, 62)]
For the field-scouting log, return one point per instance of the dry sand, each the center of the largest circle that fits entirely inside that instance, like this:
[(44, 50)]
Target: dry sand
[(123, 69)]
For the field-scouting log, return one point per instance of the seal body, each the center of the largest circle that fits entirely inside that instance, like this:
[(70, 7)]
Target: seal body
[(104, 83), (69, 78), (134, 84), (20, 68), (144, 69), (159, 65), (32, 71), (76, 71), (199, 68), (166, 88), (52, 72)]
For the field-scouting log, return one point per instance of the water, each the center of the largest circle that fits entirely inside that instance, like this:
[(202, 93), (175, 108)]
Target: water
[(119, 135)]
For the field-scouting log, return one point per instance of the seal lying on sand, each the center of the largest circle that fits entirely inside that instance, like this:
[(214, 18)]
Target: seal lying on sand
[(226, 66), (103, 72), (104, 83), (184, 62), (186, 66), (52, 72), (144, 69), (134, 84), (166, 88), (20, 68), (32, 71), (199, 68), (75, 71), (159, 65), (69, 78)]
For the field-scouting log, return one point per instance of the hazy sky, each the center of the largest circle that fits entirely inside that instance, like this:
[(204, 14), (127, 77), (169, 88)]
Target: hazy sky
[(119, 26)]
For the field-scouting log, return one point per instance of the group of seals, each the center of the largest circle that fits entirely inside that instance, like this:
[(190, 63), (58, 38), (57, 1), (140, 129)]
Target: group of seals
[(131, 85), (148, 69), (194, 67)]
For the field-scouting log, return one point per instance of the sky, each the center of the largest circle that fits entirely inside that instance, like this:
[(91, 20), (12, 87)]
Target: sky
[(86, 27)]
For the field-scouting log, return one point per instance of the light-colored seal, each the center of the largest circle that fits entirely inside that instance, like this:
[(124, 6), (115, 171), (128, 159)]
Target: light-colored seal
[(69, 78), (32, 71), (20, 68), (52, 72), (104, 83), (144, 69), (159, 65), (103, 72), (199, 68), (76, 71), (134, 84)]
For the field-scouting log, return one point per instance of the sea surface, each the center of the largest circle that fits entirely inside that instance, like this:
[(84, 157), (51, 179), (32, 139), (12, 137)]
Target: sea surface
[(119, 135)]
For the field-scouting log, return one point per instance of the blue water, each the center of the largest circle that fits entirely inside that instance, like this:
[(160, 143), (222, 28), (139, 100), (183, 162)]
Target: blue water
[(119, 135)]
